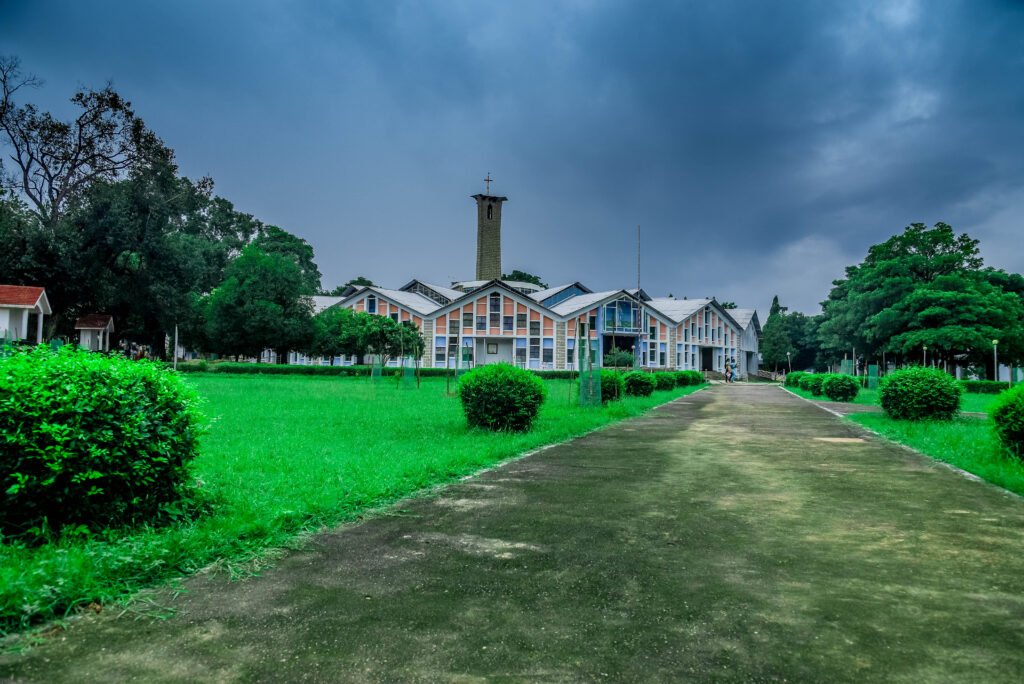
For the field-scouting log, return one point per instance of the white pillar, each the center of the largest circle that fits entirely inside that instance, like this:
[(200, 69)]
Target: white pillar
[(39, 328)]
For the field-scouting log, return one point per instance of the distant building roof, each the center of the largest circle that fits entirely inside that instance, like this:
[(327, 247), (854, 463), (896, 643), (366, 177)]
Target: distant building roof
[(94, 322), (742, 316), (470, 285), (24, 297), (412, 300)]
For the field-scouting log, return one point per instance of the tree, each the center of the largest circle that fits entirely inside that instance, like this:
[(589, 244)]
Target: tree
[(260, 305), (340, 332), (923, 287), (388, 339), (727, 305), (775, 338), (358, 281), (890, 272), (274, 240), (55, 161), (524, 277)]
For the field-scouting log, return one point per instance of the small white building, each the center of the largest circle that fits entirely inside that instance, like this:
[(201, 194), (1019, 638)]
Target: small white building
[(19, 304), (94, 331)]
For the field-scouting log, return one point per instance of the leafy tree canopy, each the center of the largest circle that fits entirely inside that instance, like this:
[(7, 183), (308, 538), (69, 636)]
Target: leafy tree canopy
[(274, 240), (524, 277)]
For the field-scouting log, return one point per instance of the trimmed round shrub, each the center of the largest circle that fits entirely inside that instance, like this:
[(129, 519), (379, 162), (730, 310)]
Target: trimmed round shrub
[(812, 382), (1008, 419), (612, 386), (639, 384), (840, 387), (793, 379), (916, 393), (501, 397), (91, 441), (664, 381)]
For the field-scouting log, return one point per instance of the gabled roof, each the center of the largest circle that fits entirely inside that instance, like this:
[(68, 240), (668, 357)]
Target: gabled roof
[(745, 317), (503, 285), (678, 309), (322, 302), (552, 291), (94, 322), (24, 297), (409, 300), (640, 294)]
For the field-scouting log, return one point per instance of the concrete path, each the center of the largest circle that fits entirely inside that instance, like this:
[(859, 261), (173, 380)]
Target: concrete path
[(738, 534)]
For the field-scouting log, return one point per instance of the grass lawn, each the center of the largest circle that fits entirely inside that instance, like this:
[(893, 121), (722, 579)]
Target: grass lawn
[(967, 443), (971, 403), (287, 455)]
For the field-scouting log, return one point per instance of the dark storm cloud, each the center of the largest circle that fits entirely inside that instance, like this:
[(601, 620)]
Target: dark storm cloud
[(762, 146)]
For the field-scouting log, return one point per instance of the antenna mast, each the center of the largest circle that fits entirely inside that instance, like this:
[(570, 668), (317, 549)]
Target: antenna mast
[(638, 260)]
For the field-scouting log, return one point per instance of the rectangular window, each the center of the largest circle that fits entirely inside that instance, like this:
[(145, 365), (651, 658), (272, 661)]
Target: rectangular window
[(371, 304), (506, 323), (453, 325), (495, 319), (521, 351), (521, 321), (686, 334), (394, 317), (652, 352), (534, 347), (652, 331), (481, 322), (534, 328), (438, 350), (495, 303), (453, 349), (549, 351), (593, 322), (467, 319)]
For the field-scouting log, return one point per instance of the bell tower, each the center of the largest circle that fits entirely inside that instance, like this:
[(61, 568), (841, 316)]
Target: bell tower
[(488, 234)]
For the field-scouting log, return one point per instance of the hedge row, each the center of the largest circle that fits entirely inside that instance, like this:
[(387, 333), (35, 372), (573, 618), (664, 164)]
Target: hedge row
[(983, 386), (680, 378), (346, 371), (835, 386)]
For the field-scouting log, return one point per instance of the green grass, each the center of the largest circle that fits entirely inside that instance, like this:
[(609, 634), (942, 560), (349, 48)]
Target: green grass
[(288, 455), (971, 403), (967, 443)]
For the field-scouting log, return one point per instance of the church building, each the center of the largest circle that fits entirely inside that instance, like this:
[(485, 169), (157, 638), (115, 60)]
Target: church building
[(491, 320)]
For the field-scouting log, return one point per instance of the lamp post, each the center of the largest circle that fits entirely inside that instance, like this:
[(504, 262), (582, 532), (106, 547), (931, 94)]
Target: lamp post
[(995, 360), (789, 362), (924, 357)]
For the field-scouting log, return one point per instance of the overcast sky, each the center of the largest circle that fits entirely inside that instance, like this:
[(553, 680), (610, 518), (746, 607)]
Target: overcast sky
[(762, 146)]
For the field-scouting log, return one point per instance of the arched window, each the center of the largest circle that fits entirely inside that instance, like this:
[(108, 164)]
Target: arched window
[(490, 211), (371, 304)]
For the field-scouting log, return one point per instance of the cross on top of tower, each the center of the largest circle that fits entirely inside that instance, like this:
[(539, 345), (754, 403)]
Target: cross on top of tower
[(488, 182)]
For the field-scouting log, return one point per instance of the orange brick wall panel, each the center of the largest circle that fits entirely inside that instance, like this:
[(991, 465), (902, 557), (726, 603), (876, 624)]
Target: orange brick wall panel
[(508, 306)]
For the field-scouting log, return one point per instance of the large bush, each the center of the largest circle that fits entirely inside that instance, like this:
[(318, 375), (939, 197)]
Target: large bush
[(793, 379), (639, 384), (612, 386), (1008, 418), (664, 381), (840, 387), (916, 393), (91, 440), (501, 397), (618, 358)]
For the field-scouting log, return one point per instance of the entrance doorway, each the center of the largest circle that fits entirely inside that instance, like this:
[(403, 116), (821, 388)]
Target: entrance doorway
[(707, 358), (624, 342)]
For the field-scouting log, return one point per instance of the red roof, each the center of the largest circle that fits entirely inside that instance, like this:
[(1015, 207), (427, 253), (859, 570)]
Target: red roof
[(20, 295), (93, 322)]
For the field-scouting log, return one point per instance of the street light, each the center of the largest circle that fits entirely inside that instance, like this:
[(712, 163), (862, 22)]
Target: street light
[(995, 360), (789, 362)]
